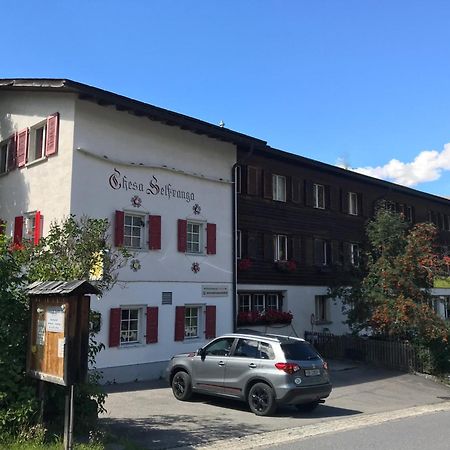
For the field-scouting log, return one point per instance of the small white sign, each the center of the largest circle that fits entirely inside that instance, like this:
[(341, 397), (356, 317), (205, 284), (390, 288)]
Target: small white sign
[(61, 344), (55, 320), (214, 291), (40, 332)]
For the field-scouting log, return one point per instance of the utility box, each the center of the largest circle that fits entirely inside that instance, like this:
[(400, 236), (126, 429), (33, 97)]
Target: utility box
[(59, 332)]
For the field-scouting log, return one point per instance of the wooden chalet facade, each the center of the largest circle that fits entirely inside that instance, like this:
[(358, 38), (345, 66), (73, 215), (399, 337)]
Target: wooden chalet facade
[(301, 225)]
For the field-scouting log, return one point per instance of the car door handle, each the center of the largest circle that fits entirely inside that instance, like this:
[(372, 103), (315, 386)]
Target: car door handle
[(252, 366), (221, 363)]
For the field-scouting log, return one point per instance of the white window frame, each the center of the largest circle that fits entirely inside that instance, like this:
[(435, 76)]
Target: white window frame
[(319, 196), (128, 237), (238, 244), (447, 308), (279, 188), (322, 309), (126, 334), (29, 225), (354, 254), (353, 203), (245, 302), (4, 152), (194, 322), (258, 301), (408, 213), (36, 147), (326, 255), (280, 246), (191, 244)]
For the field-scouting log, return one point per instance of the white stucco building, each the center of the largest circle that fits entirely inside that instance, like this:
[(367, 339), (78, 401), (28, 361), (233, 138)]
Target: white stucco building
[(165, 182)]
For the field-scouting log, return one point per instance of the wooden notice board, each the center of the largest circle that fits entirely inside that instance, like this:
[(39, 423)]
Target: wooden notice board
[(59, 339)]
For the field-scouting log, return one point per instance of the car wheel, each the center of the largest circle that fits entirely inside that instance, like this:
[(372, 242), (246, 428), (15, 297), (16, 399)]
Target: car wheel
[(307, 407), (181, 386), (261, 399)]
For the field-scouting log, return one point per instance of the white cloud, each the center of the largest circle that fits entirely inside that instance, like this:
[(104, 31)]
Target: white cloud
[(426, 166)]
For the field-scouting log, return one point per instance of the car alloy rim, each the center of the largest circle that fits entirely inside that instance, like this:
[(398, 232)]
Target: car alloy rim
[(260, 399), (179, 385)]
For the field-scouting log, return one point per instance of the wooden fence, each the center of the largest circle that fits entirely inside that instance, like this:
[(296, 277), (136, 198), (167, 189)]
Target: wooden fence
[(392, 354)]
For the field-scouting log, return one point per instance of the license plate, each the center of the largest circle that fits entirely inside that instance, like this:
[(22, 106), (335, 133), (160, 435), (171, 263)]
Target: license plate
[(312, 372)]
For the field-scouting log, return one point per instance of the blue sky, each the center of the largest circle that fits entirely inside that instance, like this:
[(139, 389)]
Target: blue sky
[(353, 82)]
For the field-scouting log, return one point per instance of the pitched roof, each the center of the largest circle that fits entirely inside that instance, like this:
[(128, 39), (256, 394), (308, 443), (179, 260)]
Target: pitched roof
[(122, 103)]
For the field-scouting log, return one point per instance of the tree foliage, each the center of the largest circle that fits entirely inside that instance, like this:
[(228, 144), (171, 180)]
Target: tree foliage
[(393, 297), (74, 249)]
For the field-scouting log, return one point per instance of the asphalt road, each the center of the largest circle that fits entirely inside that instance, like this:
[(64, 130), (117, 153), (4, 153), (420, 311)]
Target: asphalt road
[(149, 415), (428, 431)]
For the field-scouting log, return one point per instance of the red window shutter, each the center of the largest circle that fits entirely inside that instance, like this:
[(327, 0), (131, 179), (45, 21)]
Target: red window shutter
[(179, 323), (37, 227), (118, 228), (182, 235), (18, 230), (12, 152), (114, 327), (210, 329), (211, 238), (21, 147), (154, 238), (152, 324), (51, 142)]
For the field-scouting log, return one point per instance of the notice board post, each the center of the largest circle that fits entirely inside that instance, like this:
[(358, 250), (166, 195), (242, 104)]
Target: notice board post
[(59, 338)]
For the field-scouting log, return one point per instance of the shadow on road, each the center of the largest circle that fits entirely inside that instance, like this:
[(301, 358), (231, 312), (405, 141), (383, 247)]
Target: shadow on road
[(163, 432)]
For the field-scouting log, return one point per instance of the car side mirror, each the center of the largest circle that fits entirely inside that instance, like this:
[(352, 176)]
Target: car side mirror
[(202, 353)]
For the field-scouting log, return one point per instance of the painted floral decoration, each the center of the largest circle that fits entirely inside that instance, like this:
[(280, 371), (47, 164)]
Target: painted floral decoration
[(195, 267), (135, 265), (197, 209), (136, 201)]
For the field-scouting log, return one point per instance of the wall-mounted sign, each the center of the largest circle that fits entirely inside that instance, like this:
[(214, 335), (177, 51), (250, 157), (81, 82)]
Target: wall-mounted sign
[(153, 186), (214, 291)]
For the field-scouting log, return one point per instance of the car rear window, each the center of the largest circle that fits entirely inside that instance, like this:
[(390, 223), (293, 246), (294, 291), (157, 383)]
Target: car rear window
[(299, 351)]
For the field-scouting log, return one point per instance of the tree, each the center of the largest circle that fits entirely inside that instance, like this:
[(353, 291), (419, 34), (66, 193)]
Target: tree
[(17, 400), (74, 249), (393, 295)]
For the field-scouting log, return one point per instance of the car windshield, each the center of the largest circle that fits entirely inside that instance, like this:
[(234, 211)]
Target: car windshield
[(299, 351)]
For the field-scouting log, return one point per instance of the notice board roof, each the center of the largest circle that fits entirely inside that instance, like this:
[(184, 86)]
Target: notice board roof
[(61, 288)]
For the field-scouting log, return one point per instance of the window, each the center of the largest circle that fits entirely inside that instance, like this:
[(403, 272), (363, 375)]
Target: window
[(245, 302), (130, 329), (3, 156), (133, 232), (353, 203), (280, 247), (238, 244), (447, 308), (322, 309), (238, 180), (279, 188), (36, 148), (446, 222), (319, 196), (192, 323), (247, 348), (273, 302), (322, 252), (409, 213), (354, 255), (194, 237), (220, 347), (29, 226), (260, 301)]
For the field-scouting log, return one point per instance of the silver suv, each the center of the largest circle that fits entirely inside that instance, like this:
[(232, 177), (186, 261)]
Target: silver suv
[(264, 370)]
